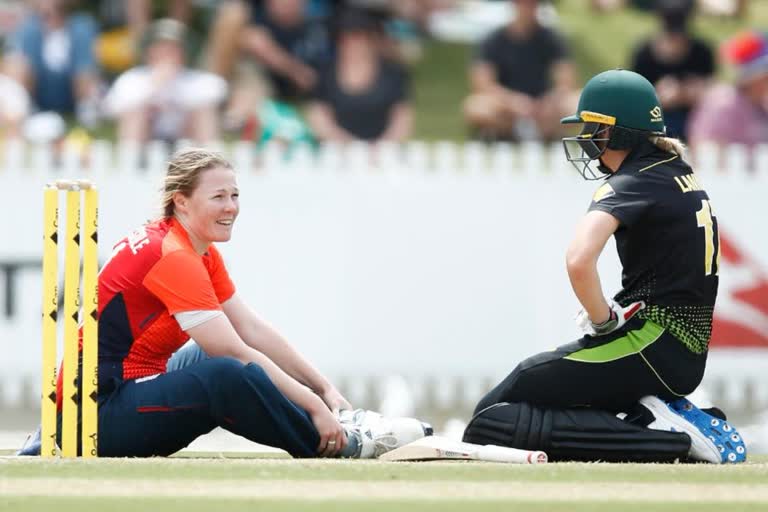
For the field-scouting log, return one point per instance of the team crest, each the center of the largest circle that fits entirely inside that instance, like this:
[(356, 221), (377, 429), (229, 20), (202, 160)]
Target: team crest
[(656, 114), (606, 190)]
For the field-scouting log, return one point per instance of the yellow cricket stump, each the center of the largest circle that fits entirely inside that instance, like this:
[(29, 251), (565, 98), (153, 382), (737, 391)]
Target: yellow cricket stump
[(80, 376), (90, 377), (50, 310)]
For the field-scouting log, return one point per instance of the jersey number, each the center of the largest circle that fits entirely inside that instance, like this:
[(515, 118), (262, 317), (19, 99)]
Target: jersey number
[(706, 219)]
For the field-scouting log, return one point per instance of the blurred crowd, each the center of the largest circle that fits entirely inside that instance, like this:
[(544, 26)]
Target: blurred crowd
[(339, 70)]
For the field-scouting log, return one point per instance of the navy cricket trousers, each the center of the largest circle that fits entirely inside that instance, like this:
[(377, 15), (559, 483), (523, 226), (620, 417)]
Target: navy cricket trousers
[(161, 415)]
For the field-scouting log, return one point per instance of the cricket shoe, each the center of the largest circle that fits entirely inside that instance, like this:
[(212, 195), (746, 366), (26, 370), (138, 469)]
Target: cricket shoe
[(32, 444), (377, 434), (713, 439)]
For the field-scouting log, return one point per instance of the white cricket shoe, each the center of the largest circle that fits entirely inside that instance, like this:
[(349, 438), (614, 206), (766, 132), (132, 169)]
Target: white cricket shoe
[(377, 434), (713, 439)]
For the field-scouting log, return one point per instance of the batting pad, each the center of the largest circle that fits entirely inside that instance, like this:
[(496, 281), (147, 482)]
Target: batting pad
[(578, 434)]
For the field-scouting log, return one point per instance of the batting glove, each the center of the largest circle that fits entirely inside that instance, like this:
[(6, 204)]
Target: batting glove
[(618, 317)]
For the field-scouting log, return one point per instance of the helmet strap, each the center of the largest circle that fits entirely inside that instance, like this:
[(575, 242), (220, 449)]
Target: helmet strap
[(626, 138), (604, 168)]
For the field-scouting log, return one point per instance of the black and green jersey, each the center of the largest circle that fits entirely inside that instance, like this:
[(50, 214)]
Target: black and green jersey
[(667, 242)]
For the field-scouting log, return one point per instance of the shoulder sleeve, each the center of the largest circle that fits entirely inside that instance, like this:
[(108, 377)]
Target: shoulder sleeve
[(130, 90), (559, 46), (321, 90), (705, 59), (21, 41), (222, 284), (401, 83), (181, 282), (642, 63), (200, 88), (486, 49), (83, 35), (626, 199)]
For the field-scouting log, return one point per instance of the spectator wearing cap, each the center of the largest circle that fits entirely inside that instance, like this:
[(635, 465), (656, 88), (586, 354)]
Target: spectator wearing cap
[(164, 99), (122, 24), (522, 80), (363, 96), (678, 64), (738, 113), (51, 55)]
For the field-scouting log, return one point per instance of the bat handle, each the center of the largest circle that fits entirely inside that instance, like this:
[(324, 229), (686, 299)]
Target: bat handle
[(493, 453)]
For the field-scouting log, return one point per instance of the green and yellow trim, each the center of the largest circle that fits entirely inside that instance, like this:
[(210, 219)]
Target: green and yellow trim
[(658, 163), (585, 116), (594, 117), (633, 342)]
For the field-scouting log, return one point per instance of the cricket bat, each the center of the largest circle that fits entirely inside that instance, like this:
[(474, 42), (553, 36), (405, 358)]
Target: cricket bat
[(442, 448)]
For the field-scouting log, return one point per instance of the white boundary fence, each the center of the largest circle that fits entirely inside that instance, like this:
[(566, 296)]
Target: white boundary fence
[(501, 158), (432, 261)]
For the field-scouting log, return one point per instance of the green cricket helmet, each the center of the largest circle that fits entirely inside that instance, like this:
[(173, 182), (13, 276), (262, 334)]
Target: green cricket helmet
[(619, 109)]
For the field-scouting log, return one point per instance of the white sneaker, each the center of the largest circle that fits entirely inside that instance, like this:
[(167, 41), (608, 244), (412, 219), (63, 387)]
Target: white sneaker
[(712, 440), (377, 434)]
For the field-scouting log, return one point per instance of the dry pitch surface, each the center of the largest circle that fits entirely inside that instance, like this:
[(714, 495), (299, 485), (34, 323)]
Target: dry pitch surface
[(215, 482)]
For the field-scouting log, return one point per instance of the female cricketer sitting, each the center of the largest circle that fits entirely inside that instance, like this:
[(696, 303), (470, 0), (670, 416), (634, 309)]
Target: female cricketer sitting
[(647, 345), (166, 283)]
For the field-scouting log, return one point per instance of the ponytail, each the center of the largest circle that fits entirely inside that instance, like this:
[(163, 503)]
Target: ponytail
[(670, 145)]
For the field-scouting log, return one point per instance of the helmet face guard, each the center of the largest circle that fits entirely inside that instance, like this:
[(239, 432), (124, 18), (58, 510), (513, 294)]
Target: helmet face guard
[(587, 146), (619, 109)]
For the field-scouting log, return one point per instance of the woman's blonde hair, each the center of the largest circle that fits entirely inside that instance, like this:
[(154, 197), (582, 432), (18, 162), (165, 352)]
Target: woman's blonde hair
[(670, 145), (183, 173)]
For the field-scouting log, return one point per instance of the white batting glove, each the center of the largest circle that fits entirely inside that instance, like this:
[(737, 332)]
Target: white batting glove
[(619, 316)]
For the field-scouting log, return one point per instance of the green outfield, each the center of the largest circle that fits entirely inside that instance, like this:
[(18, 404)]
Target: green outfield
[(217, 483)]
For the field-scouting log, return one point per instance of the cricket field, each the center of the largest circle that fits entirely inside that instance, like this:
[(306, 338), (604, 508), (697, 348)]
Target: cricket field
[(244, 482)]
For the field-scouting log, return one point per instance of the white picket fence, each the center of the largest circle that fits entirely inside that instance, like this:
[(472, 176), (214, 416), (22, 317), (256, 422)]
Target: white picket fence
[(438, 261), (530, 158)]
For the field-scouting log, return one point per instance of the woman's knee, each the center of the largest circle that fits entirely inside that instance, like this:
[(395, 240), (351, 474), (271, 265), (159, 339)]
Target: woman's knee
[(257, 376), (232, 373), (222, 370)]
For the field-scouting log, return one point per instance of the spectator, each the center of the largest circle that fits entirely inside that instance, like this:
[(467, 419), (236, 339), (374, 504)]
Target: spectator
[(51, 55), (164, 99), (288, 43), (733, 8), (522, 80), (14, 107), (737, 113), (676, 63), (363, 96), (122, 25)]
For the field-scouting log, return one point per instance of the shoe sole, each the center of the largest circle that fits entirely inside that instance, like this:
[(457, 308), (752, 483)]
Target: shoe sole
[(702, 448), (728, 441)]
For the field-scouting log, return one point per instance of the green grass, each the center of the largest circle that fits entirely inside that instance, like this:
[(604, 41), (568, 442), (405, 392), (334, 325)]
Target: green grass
[(179, 468), (605, 40), (237, 505), (253, 483), (439, 87)]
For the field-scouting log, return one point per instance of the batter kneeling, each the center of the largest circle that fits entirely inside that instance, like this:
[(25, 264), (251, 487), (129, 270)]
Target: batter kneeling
[(619, 392)]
